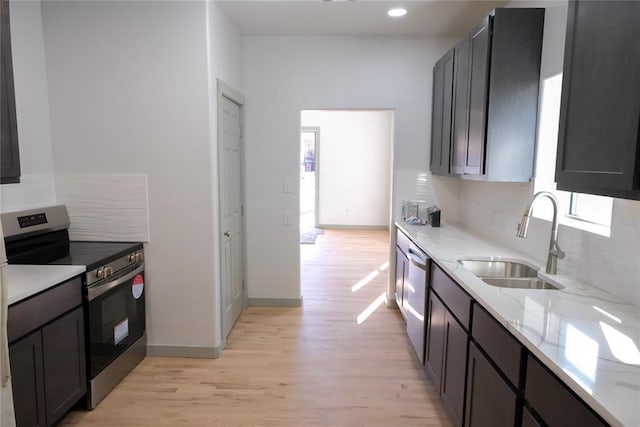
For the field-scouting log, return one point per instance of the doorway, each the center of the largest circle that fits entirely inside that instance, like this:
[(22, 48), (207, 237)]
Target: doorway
[(309, 167), (345, 166), (346, 179)]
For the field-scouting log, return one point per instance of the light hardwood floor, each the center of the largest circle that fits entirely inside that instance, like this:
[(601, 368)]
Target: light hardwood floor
[(309, 366)]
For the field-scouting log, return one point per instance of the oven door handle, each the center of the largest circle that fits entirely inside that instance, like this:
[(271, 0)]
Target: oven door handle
[(95, 292)]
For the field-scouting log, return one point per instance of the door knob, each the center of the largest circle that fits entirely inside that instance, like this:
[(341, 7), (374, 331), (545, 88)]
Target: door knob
[(227, 234)]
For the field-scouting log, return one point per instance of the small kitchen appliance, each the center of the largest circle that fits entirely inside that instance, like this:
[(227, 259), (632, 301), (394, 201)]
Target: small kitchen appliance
[(433, 216)]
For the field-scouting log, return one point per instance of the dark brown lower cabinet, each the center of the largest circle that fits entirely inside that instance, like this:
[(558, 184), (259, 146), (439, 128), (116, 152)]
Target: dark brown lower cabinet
[(528, 420), (49, 371), (401, 268), (454, 372), (553, 402), (64, 364), (490, 400), (479, 368), (27, 375), (435, 337), (446, 356)]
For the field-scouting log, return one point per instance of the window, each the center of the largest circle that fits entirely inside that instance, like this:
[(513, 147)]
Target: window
[(590, 208), (577, 210)]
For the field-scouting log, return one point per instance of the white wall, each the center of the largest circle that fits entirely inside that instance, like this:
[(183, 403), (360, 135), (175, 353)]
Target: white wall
[(36, 187), (284, 75), (130, 93), (354, 166), (224, 55), (494, 209)]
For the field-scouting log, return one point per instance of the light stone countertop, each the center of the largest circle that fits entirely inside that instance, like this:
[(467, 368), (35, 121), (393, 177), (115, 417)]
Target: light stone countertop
[(27, 280), (586, 336)]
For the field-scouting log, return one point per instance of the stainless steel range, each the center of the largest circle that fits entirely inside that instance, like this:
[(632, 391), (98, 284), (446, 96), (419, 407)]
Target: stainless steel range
[(113, 288)]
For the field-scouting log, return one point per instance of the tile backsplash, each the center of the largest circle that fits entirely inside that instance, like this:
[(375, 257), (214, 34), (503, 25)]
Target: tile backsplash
[(426, 188), (493, 210), (107, 207)]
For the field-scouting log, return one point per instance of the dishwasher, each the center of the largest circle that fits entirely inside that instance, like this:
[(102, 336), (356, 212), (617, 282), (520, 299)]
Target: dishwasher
[(414, 303)]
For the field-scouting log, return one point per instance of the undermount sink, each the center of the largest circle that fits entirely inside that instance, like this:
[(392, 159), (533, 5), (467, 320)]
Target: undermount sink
[(506, 274), (485, 268), (520, 283)]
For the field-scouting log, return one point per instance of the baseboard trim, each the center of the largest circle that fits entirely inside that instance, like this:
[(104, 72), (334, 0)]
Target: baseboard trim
[(275, 302), (391, 303), (195, 352), (353, 227)]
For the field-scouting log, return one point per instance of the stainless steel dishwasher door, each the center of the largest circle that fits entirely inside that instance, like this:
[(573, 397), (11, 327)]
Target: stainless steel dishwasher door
[(415, 303)]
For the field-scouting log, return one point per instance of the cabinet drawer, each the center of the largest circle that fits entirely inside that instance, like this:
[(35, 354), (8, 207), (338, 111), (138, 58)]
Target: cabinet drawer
[(553, 401), (499, 345), (30, 314), (402, 241), (458, 301)]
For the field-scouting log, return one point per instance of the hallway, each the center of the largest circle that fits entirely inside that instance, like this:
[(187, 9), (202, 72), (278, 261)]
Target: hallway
[(309, 366)]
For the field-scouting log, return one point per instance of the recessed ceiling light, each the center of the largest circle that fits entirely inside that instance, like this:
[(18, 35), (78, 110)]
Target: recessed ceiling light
[(397, 12)]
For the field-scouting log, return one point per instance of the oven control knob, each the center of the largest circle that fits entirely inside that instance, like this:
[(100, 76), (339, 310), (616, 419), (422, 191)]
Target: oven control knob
[(100, 273), (139, 257), (132, 258)]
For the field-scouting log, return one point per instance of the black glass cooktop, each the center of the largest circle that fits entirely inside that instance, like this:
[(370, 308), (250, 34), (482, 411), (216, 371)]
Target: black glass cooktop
[(94, 254)]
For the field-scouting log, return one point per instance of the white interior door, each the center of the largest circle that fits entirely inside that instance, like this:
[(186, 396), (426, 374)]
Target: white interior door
[(230, 167)]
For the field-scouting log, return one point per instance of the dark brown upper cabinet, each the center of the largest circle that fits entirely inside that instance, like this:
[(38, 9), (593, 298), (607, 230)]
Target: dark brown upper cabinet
[(599, 135), (9, 154), (495, 101), (441, 115)]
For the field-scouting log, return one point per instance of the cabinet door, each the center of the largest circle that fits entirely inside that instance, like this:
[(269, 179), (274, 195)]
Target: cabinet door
[(480, 42), (485, 387), (400, 264), (598, 139), (64, 363), (454, 369), (462, 61), (434, 352), (27, 381), (441, 114), (9, 155)]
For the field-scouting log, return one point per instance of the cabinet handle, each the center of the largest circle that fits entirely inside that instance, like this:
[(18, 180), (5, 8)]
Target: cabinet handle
[(416, 260)]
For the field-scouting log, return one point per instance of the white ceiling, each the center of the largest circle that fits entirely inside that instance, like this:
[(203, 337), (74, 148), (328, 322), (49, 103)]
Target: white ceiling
[(361, 18)]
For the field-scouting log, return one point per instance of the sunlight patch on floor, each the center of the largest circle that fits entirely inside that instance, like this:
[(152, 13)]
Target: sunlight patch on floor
[(382, 299), (362, 283), (369, 277)]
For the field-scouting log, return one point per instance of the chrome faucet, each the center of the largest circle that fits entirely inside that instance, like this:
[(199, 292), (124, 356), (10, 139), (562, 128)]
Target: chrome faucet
[(554, 250)]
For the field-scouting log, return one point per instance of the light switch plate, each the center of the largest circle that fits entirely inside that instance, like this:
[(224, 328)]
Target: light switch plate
[(286, 186)]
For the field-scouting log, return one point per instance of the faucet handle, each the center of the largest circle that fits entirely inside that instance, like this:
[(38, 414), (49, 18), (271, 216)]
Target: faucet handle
[(557, 252)]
